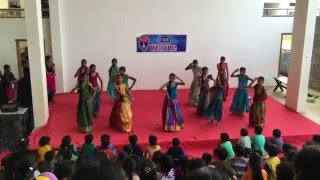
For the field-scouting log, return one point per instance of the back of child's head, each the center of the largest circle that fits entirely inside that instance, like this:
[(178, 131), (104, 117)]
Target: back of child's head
[(66, 141), (240, 150), (6, 67), (273, 150), (24, 143), (258, 151), (248, 152), (224, 137), (292, 154), (244, 132), (105, 141), (287, 147), (258, 130), (153, 140), (196, 163), (64, 170), (316, 138), (133, 139), (276, 133), (49, 155), (175, 142), (166, 163), (222, 154), (285, 171), (88, 138), (156, 156), (44, 140), (207, 158)]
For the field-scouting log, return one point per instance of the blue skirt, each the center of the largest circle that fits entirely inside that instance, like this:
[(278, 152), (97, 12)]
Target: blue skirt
[(240, 102), (214, 110), (171, 115)]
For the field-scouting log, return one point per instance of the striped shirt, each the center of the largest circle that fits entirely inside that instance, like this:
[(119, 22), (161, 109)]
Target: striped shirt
[(240, 165)]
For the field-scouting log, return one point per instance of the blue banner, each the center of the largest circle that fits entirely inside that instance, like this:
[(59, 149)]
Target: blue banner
[(162, 43)]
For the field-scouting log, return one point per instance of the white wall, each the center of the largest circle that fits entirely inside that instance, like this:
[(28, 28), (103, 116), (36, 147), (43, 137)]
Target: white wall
[(12, 29), (103, 29)]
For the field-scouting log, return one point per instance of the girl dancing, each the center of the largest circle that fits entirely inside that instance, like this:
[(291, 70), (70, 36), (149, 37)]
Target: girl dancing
[(126, 77), (240, 102), (195, 88), (171, 115), (82, 69), (223, 72), (258, 107), (204, 97), (113, 71), (214, 110), (93, 79), (84, 113), (121, 114)]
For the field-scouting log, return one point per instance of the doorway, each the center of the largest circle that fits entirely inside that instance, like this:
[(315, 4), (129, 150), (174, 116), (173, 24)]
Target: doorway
[(22, 55), (285, 50)]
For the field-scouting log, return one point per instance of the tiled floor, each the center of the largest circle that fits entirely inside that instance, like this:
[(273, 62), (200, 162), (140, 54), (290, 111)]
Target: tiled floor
[(312, 110)]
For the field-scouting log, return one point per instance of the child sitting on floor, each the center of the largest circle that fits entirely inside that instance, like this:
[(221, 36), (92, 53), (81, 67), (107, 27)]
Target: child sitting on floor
[(258, 140), (45, 146), (88, 148), (272, 162), (175, 151), (152, 148), (277, 139), (226, 144), (106, 147), (133, 147), (244, 140), (48, 164)]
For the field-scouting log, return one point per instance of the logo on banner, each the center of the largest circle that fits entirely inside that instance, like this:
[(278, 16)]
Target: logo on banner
[(144, 42)]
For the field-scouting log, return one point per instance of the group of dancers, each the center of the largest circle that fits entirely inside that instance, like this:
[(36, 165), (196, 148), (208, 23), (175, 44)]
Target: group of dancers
[(207, 100)]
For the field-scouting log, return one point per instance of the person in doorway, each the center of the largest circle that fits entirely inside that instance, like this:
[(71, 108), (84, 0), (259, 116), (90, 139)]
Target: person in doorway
[(204, 97), (8, 82), (194, 88), (85, 109), (51, 78), (93, 79), (172, 119), (223, 72), (121, 114), (113, 72), (82, 69), (126, 77), (240, 102), (215, 107), (258, 108)]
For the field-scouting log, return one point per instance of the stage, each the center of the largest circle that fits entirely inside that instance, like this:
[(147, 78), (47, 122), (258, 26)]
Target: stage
[(197, 137)]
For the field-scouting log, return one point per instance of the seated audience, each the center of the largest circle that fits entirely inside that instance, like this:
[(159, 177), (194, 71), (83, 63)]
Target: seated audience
[(133, 147), (315, 140), (255, 172), (258, 140), (88, 149), (273, 161), (106, 147), (285, 171), (277, 139), (176, 150), (44, 146), (223, 163), (129, 167), (307, 163), (239, 163), (64, 169), (244, 140), (165, 169), (153, 147), (147, 170), (207, 158), (181, 172), (48, 164), (226, 144), (67, 147), (195, 163)]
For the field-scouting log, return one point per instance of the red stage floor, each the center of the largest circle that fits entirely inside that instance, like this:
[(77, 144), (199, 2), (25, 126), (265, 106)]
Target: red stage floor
[(197, 137)]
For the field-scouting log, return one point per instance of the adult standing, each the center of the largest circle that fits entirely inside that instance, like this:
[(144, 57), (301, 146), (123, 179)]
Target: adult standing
[(194, 88), (223, 72)]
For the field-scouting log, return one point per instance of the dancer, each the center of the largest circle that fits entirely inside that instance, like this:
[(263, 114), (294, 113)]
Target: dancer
[(240, 102), (113, 71), (223, 72), (8, 82), (204, 97), (126, 77), (258, 107), (194, 88), (82, 69), (171, 115), (84, 113), (214, 110), (51, 78), (93, 79), (121, 114)]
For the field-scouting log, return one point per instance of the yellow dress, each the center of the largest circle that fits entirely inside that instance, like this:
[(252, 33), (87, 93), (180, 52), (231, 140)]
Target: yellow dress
[(42, 150), (121, 114)]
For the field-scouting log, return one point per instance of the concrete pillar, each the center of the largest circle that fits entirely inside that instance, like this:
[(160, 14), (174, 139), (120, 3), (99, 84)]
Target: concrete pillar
[(301, 53), (56, 43), (33, 17)]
